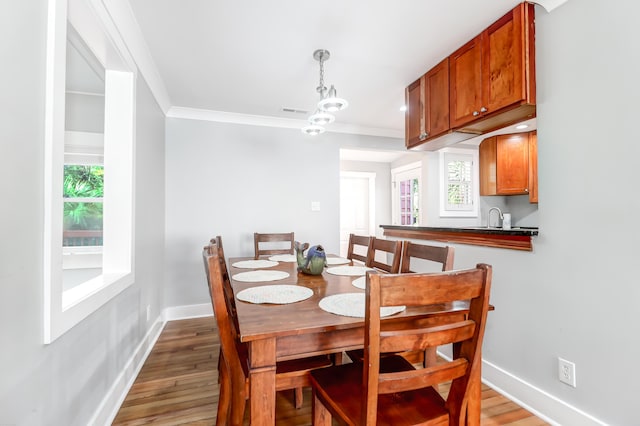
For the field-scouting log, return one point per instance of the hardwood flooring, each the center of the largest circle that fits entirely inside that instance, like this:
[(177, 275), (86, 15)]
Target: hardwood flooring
[(178, 385)]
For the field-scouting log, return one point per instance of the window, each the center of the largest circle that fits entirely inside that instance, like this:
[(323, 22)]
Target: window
[(406, 194), (458, 194), (86, 169)]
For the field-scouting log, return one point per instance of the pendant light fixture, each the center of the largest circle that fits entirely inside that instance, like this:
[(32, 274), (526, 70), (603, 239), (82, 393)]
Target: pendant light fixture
[(329, 100)]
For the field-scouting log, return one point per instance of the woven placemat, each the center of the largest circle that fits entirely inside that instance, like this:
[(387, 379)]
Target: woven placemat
[(252, 264), (350, 271), (360, 283), (337, 261), (260, 276), (283, 258), (352, 305), (277, 294)]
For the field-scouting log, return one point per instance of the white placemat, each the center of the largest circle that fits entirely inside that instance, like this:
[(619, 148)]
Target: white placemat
[(284, 258), (351, 271), (352, 305), (278, 294), (337, 260), (360, 282), (260, 275), (258, 263)]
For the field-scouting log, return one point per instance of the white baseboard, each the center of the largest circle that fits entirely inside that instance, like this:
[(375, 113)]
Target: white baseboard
[(189, 311), (542, 404), (108, 408)]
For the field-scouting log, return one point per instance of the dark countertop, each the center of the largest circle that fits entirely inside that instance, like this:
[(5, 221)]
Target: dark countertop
[(516, 230), (517, 238)]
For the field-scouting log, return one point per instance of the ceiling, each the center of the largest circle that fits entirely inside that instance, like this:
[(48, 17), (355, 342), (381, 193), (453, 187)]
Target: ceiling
[(255, 57)]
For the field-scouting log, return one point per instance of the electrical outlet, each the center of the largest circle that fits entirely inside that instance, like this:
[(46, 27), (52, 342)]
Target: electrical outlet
[(148, 312), (567, 372)]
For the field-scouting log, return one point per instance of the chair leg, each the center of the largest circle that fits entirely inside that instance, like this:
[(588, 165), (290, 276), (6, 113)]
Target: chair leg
[(298, 398), (321, 416), (238, 400), (224, 394)]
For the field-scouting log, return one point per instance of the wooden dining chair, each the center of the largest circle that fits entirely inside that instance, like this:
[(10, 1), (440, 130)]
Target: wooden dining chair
[(387, 248), (436, 254), (275, 243), (234, 374), (389, 390), (358, 248)]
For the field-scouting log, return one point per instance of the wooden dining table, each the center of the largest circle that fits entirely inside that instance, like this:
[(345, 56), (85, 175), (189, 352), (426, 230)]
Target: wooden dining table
[(276, 332)]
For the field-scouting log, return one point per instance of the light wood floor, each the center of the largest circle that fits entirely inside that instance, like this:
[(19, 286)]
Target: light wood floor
[(178, 385)]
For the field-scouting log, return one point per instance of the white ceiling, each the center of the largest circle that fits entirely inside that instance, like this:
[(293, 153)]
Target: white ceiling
[(255, 57)]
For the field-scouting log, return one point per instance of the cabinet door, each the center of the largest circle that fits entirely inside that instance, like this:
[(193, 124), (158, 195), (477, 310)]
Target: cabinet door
[(436, 99), (414, 116), (465, 73), (487, 159), (533, 167), (503, 62), (512, 164)]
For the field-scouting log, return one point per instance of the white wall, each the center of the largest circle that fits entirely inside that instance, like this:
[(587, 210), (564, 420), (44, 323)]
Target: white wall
[(233, 180), (62, 383)]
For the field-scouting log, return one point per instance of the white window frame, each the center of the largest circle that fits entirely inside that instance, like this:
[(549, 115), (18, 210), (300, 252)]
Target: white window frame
[(456, 153), (63, 309), (408, 171)]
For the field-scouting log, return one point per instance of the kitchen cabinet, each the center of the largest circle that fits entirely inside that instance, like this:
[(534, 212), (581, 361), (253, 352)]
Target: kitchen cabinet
[(427, 101), (495, 73), (508, 165)]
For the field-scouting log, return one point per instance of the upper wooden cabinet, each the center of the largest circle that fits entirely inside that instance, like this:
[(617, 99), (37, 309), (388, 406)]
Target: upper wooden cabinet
[(427, 101), (487, 84), (509, 165), (495, 72)]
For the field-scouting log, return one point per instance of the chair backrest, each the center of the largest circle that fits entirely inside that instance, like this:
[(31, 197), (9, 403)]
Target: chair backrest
[(223, 307), (356, 241), (466, 333), (388, 248), (275, 243), (442, 255)]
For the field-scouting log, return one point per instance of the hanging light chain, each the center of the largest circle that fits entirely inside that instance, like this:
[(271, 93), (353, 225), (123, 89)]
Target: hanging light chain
[(321, 87)]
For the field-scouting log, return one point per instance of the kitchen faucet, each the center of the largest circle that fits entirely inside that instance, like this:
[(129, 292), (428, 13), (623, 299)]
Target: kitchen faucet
[(489, 216)]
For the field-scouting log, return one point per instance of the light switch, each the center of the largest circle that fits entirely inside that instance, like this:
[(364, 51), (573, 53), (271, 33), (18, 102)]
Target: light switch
[(315, 206)]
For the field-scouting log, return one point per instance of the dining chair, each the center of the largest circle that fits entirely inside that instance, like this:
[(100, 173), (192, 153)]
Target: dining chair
[(442, 255), (387, 248), (234, 374), (390, 390), (274, 243), (358, 248)]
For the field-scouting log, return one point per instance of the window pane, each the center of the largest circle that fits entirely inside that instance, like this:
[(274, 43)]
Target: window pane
[(82, 224)]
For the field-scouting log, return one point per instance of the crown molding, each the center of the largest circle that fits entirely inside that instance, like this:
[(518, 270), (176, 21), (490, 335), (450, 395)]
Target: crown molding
[(549, 5), (268, 121)]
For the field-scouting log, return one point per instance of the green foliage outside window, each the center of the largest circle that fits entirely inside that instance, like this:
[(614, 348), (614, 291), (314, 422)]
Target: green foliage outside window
[(85, 184)]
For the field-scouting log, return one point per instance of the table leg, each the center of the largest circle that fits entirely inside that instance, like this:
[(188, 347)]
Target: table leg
[(262, 382)]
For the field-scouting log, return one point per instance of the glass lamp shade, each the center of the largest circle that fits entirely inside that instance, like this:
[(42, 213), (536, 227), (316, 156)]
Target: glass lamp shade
[(321, 118), (312, 130), (332, 102)]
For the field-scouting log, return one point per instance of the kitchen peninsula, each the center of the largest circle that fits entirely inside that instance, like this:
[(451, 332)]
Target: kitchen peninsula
[(517, 238)]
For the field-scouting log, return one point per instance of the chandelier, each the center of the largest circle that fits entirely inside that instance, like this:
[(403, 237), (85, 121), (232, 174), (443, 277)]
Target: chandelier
[(329, 100)]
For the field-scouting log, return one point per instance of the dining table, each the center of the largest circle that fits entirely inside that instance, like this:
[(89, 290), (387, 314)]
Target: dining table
[(280, 331)]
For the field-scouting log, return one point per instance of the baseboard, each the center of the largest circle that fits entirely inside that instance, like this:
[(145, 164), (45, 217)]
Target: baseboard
[(544, 405), (187, 311), (108, 408)]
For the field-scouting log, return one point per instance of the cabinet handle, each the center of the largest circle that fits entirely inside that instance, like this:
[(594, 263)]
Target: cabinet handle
[(483, 109), (476, 113), (423, 135)]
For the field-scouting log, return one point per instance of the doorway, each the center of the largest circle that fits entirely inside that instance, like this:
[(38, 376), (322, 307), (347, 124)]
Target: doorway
[(357, 206)]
